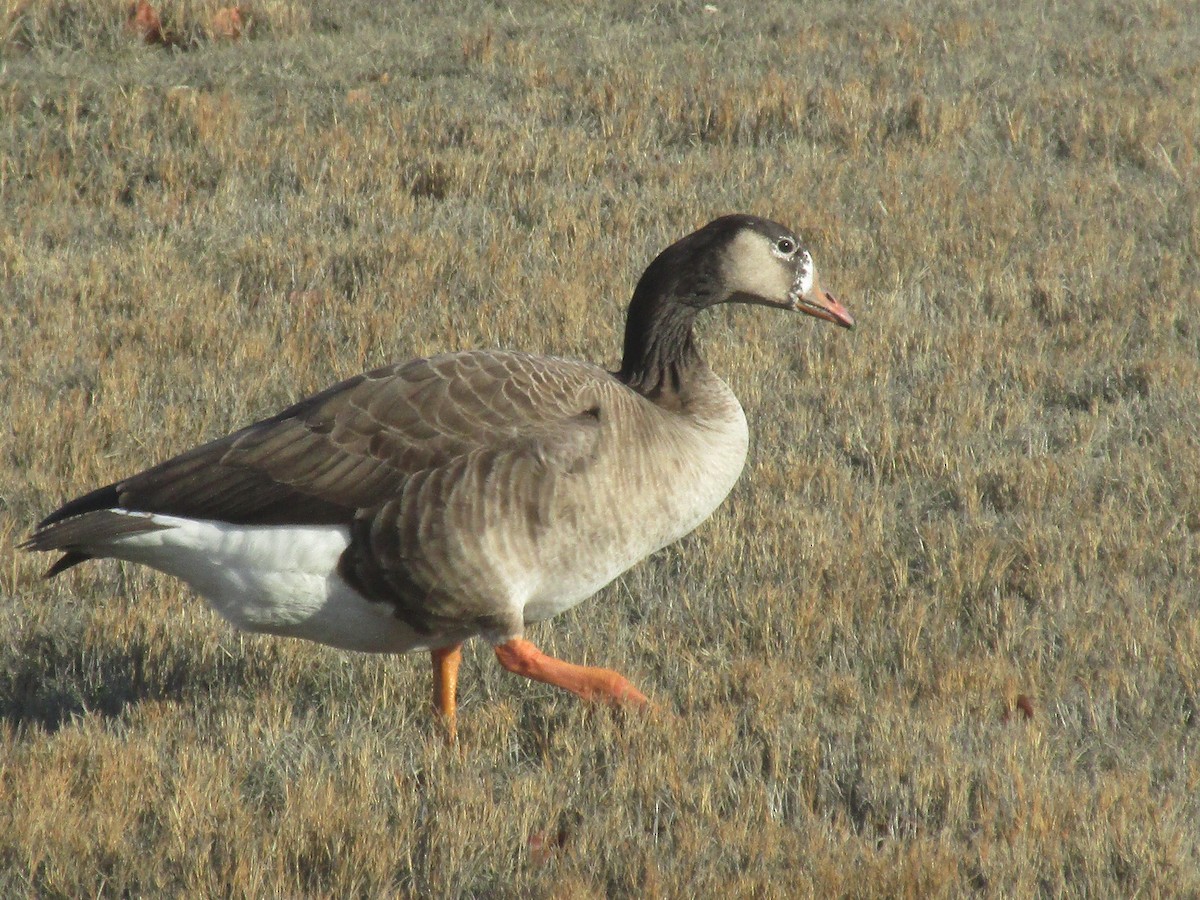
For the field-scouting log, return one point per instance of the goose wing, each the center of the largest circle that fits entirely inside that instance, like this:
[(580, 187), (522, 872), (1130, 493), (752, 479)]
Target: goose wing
[(354, 446)]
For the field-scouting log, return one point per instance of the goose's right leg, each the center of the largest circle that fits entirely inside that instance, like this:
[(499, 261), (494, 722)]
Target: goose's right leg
[(522, 657)]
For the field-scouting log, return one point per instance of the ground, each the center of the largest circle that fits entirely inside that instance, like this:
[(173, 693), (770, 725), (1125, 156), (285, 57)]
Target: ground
[(941, 639)]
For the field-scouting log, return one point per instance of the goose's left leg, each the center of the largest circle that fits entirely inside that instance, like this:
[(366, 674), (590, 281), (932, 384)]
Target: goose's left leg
[(522, 657), (446, 661)]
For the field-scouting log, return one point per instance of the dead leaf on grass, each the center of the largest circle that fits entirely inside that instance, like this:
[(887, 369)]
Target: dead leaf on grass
[(1023, 705), (143, 23), (228, 24)]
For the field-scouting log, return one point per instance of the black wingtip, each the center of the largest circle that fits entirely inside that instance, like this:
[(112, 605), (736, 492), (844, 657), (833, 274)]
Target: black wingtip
[(64, 562), (102, 498)]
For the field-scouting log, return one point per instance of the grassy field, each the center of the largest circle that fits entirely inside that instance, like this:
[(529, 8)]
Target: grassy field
[(943, 637)]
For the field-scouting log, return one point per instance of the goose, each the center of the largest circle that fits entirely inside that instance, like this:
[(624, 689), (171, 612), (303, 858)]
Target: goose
[(467, 494)]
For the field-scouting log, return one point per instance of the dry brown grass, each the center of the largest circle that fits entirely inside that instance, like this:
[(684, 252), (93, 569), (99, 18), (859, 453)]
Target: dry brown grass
[(943, 637)]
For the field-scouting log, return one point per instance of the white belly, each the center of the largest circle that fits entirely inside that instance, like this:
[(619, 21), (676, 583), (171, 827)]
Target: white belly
[(276, 579)]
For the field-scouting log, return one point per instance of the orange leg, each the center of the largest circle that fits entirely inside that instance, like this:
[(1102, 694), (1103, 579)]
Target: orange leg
[(520, 656), (445, 686)]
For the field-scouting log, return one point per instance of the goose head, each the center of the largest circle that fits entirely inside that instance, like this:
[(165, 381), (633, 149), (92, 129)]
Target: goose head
[(739, 259), (733, 259), (761, 262)]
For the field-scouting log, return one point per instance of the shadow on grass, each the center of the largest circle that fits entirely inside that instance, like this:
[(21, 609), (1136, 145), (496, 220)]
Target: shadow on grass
[(47, 680)]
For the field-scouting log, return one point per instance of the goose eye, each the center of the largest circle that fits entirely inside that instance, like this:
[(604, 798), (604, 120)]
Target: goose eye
[(786, 246)]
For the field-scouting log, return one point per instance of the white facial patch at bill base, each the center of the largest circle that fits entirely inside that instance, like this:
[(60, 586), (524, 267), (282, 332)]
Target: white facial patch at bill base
[(806, 276)]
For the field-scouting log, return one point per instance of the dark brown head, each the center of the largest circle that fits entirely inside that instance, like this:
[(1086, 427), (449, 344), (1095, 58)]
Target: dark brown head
[(733, 259), (744, 259)]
